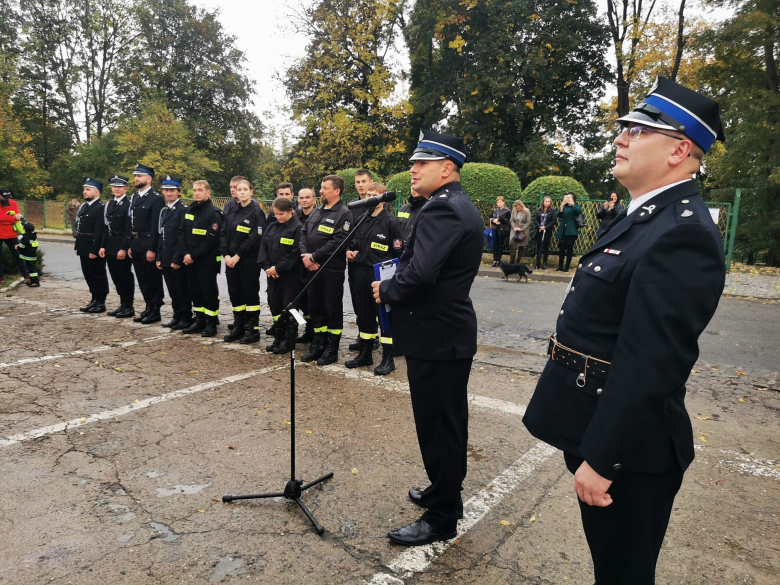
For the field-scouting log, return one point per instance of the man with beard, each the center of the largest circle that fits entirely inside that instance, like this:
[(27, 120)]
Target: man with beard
[(120, 267)]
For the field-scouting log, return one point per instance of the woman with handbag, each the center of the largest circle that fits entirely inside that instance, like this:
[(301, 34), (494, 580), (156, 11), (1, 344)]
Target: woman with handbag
[(499, 221), (519, 230), (570, 216)]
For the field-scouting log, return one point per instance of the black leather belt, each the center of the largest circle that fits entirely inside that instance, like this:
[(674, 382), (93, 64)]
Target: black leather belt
[(141, 234), (83, 234), (579, 362)]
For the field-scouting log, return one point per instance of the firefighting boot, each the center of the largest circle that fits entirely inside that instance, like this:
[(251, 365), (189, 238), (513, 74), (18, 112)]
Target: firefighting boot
[(237, 331), (198, 325), (308, 333), (365, 357), (317, 347), (251, 330), (387, 365), (211, 327), (331, 353)]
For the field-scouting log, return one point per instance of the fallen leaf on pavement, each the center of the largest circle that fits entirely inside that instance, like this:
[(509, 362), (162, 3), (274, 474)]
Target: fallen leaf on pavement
[(308, 432), (354, 471), (287, 422), (505, 523)]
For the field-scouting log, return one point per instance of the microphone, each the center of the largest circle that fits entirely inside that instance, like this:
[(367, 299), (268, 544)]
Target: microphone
[(372, 201)]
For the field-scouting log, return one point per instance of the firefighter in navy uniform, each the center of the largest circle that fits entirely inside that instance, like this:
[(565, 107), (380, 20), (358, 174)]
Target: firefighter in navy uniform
[(306, 201), (175, 275), (120, 267), (198, 251), (240, 240), (435, 325), (142, 242), (323, 232), (377, 240), (408, 213), (89, 234), (280, 258), (612, 395)]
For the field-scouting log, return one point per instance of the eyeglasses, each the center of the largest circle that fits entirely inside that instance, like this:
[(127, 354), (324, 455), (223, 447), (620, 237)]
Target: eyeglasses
[(636, 131)]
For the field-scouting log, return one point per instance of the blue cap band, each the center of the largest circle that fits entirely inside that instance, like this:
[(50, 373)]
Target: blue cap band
[(443, 149), (694, 128)]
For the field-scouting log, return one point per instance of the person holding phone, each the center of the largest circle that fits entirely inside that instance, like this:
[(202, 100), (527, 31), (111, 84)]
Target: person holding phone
[(567, 230)]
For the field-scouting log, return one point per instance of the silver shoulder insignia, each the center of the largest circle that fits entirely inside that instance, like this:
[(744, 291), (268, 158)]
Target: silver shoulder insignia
[(684, 201), (687, 213)]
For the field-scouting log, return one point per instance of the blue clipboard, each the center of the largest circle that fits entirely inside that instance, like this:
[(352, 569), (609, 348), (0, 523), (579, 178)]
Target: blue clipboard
[(385, 271)]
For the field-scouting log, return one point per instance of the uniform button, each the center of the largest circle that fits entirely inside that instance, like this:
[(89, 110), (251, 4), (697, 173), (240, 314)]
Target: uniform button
[(561, 311), (597, 269), (572, 290), (617, 466), (579, 266), (598, 391)]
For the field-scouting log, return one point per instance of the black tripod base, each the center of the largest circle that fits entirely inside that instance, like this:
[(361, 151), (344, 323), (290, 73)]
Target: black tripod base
[(292, 491)]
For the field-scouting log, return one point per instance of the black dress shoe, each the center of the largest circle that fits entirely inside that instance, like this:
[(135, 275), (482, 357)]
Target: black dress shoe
[(125, 312), (172, 323), (143, 314), (115, 311), (86, 308), (97, 308), (152, 317), (420, 533), (415, 496), (181, 325)]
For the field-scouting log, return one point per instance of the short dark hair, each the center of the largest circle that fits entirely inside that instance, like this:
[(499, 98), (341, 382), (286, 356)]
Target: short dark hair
[(364, 172), (282, 204), (284, 186), (238, 178), (336, 181)]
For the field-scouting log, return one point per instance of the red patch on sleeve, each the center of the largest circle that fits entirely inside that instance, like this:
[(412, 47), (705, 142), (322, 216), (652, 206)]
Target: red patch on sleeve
[(215, 227)]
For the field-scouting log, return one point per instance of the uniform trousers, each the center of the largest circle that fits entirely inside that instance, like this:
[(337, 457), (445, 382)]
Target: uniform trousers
[(366, 307), (283, 290), (351, 266), (441, 416), (625, 537), (176, 283), (303, 302), (326, 301), (500, 241), (122, 276), (203, 289), (94, 271), (243, 282), (149, 279), (12, 243)]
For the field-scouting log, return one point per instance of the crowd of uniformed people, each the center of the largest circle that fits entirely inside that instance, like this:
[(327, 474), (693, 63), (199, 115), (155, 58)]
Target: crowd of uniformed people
[(160, 239)]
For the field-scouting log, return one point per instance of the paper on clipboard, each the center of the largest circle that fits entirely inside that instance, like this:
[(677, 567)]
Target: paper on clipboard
[(385, 271)]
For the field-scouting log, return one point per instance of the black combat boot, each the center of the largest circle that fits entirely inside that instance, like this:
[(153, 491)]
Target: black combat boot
[(98, 307), (237, 331), (308, 333), (113, 312), (365, 357), (284, 345), (153, 316), (198, 325), (183, 323), (278, 337), (211, 327), (387, 365), (272, 329), (88, 306), (251, 329), (331, 353), (143, 314), (316, 348)]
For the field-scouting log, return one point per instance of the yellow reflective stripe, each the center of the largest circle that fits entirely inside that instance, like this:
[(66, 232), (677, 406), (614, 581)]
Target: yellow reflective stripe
[(198, 309), (189, 216), (335, 331), (403, 214), (325, 229), (199, 232), (288, 241), (386, 340), (243, 229), (377, 246), (33, 275), (241, 308), (20, 245), (211, 313), (368, 335), (250, 308), (275, 317), (27, 258), (219, 258), (321, 330), (34, 243)]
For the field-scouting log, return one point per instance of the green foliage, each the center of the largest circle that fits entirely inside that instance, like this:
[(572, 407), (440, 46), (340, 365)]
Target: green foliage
[(19, 170), (401, 184), (480, 180), (98, 159), (555, 187), (10, 266), (349, 182)]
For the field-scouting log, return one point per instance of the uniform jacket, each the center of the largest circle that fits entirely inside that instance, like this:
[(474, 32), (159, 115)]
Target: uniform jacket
[(144, 221), (272, 218), (302, 217), (168, 243), (117, 220), (407, 215), (89, 228), (28, 246), (640, 298), (522, 220), (503, 216), (433, 317), (323, 232), (568, 225), (281, 247), (199, 235), (7, 220), (377, 240), (242, 231)]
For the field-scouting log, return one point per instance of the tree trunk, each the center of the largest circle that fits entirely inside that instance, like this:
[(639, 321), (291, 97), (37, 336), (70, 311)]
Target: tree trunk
[(680, 40)]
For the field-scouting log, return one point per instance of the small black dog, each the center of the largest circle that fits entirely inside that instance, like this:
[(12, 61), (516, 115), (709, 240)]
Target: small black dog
[(521, 270)]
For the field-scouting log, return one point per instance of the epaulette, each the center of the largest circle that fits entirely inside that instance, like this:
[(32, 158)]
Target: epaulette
[(685, 213)]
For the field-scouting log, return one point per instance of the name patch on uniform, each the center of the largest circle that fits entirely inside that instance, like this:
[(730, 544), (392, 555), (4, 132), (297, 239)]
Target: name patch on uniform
[(378, 246), (325, 229), (199, 232), (189, 216), (611, 251), (243, 229), (403, 215), (287, 241)]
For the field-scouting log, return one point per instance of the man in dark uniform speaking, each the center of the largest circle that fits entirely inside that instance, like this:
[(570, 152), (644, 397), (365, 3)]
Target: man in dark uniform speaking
[(612, 395), (435, 327)]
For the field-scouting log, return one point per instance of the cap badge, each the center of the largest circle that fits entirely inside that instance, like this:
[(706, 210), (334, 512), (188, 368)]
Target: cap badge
[(422, 136), (167, 177)]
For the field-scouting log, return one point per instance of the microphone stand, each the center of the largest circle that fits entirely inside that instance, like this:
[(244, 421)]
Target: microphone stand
[(295, 487)]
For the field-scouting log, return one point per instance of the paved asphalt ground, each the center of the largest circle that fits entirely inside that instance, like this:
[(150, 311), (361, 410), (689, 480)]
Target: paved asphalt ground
[(118, 439)]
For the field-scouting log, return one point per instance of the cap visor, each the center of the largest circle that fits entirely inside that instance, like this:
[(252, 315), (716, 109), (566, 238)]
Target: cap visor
[(427, 156), (641, 118), (140, 173)]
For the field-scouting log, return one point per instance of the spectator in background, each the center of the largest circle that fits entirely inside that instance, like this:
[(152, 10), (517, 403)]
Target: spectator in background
[(567, 230), (519, 231), (9, 215), (544, 220), (499, 221), (608, 212), (72, 209)]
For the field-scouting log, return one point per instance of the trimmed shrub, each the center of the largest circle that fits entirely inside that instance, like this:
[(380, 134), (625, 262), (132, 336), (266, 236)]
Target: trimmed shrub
[(481, 181), (555, 187), (349, 183), (401, 183)]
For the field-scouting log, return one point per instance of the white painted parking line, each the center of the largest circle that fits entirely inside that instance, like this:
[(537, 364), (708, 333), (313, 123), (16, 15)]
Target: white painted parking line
[(78, 422), (80, 352), (742, 463), (416, 559)]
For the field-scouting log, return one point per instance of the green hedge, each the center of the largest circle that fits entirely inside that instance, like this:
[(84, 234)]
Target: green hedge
[(349, 182), (481, 181), (555, 187), (10, 267)]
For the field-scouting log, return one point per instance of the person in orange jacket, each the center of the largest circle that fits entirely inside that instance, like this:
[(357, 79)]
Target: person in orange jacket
[(9, 215)]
